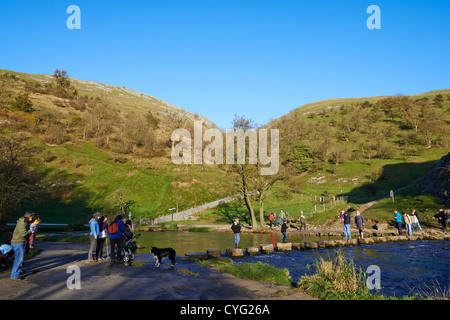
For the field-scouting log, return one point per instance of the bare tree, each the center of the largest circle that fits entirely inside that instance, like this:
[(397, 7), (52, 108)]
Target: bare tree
[(19, 182)]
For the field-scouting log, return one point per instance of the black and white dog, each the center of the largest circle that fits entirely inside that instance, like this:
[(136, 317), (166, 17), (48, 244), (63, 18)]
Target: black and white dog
[(160, 254)]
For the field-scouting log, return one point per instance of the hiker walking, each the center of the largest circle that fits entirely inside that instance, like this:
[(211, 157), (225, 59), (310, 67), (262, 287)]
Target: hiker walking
[(270, 219), (398, 221), (442, 216), (283, 231), (282, 216), (408, 223), (302, 222), (359, 221), (346, 220), (416, 222), (236, 227)]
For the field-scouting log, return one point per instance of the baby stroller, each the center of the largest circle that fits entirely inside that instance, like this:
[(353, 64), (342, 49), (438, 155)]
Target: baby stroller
[(129, 248), (6, 252)]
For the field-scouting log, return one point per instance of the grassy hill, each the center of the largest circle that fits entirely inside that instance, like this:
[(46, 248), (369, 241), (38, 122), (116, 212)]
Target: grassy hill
[(99, 146)]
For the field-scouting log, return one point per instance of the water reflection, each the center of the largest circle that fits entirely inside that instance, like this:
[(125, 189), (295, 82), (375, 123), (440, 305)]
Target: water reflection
[(187, 242)]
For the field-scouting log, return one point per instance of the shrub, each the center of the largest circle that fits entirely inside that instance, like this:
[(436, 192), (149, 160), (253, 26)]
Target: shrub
[(22, 103), (337, 279)]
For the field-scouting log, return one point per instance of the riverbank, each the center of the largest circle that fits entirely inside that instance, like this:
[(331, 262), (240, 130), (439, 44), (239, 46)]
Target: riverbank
[(45, 278)]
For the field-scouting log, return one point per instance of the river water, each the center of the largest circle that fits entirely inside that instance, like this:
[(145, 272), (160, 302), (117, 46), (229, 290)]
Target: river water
[(405, 267)]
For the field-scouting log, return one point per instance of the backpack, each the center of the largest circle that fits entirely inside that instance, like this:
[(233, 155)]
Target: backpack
[(113, 227)]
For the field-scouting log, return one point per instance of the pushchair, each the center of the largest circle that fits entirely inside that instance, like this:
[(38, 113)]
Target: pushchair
[(6, 252), (129, 248)]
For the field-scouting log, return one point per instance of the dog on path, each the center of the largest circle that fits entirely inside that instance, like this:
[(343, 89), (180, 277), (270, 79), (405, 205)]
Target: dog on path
[(160, 254)]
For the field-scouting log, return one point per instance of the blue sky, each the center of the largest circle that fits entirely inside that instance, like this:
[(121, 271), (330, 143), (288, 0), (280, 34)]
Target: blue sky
[(218, 58)]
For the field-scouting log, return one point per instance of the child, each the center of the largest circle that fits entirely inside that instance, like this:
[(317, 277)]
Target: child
[(33, 228)]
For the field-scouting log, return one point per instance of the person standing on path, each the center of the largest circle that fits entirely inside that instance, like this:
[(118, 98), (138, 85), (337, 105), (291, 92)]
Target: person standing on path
[(18, 240), (236, 227), (408, 223), (347, 233), (33, 228), (115, 230), (417, 221), (398, 221), (93, 235), (270, 220), (359, 221), (102, 225), (282, 216), (302, 222), (442, 216)]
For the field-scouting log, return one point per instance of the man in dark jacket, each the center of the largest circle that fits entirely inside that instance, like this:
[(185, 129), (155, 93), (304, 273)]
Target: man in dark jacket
[(236, 227), (115, 230), (442, 216), (283, 231), (359, 221), (20, 235)]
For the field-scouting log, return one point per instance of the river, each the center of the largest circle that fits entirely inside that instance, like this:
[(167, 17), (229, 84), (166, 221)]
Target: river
[(405, 267)]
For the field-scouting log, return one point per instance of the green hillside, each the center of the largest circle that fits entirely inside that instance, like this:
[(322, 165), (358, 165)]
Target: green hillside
[(100, 147)]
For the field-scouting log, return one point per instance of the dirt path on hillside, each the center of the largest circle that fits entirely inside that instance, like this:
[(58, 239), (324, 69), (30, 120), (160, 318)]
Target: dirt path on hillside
[(45, 278)]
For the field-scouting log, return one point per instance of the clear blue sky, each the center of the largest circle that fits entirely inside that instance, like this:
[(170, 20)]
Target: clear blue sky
[(258, 58)]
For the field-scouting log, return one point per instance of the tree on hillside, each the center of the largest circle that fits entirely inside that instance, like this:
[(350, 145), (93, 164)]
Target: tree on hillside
[(241, 126), (61, 79), (19, 183)]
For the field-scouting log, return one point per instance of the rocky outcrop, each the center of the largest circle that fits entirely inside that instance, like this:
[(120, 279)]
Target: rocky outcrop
[(437, 181)]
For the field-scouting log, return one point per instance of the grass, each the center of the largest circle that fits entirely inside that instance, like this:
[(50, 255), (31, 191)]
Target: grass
[(258, 272)]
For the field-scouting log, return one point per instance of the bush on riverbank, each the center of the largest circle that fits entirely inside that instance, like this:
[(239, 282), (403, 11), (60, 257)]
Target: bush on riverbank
[(339, 279)]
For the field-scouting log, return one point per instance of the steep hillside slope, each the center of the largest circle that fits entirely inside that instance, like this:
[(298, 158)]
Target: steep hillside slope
[(103, 148)]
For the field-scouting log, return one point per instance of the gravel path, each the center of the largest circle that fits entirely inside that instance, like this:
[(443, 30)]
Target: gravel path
[(45, 278)]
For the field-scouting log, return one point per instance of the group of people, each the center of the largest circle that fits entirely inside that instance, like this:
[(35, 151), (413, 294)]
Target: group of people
[(118, 231), (444, 217), (22, 239), (275, 219), (346, 220), (411, 222)]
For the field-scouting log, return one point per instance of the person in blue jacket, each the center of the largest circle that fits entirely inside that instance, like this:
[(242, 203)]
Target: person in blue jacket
[(115, 230), (93, 235), (398, 221)]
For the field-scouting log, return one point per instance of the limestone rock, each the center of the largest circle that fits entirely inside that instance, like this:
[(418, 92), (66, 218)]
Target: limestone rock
[(213, 253), (234, 252), (311, 245), (284, 246), (252, 251), (266, 248)]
